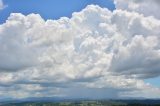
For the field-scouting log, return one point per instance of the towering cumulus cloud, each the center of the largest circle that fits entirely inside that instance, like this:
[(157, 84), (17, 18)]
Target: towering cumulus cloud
[(96, 53)]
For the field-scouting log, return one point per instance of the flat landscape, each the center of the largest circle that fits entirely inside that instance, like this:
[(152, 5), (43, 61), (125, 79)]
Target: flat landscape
[(89, 103)]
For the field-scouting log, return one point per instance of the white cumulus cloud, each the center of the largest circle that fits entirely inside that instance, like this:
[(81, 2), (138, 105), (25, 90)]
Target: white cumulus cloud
[(96, 50), (145, 7)]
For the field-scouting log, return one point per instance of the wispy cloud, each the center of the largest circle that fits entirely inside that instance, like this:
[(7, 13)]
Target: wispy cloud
[(2, 6)]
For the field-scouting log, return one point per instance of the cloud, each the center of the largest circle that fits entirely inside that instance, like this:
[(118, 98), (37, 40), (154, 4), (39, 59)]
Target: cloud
[(2, 6), (95, 49), (139, 47), (145, 7)]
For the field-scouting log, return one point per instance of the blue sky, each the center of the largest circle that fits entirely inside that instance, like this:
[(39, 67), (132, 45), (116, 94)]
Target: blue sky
[(154, 81), (49, 9)]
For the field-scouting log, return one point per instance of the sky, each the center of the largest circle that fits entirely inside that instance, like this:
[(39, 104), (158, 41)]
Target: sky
[(98, 49), (50, 9)]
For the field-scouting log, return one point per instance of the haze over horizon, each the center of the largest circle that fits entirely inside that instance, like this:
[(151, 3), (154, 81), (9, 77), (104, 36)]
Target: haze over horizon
[(80, 49)]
